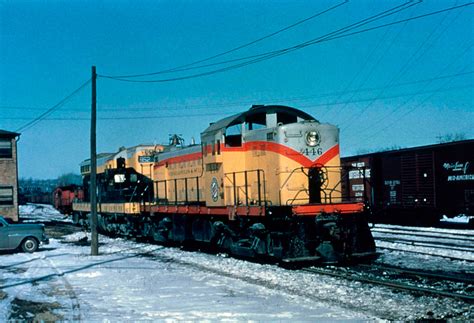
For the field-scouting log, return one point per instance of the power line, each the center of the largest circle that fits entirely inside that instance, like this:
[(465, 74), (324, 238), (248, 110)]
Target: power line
[(361, 69), (52, 109), (404, 69), (184, 67), (127, 118), (267, 55), (372, 69), (275, 100), (224, 113), (419, 104), (393, 96)]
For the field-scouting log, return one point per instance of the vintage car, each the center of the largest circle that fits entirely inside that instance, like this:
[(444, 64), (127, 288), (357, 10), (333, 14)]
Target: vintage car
[(24, 236)]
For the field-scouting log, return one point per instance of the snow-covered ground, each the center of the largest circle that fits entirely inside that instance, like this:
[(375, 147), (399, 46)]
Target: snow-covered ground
[(461, 218), (404, 257), (41, 213), (137, 281)]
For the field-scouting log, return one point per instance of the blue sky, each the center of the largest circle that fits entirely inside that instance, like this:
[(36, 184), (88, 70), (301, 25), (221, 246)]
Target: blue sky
[(402, 85)]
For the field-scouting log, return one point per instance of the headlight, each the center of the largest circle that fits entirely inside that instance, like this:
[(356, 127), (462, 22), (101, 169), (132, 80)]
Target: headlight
[(312, 138)]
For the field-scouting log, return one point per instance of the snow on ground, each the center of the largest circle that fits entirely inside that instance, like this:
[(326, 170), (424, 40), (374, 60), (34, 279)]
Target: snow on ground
[(41, 213), (130, 281), (402, 258), (136, 281), (462, 218)]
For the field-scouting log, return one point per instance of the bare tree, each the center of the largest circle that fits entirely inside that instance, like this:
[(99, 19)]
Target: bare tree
[(450, 137), (69, 179)]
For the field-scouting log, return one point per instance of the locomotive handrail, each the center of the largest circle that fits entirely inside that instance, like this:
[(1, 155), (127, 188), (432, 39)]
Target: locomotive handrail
[(328, 193), (291, 174), (333, 189), (292, 200), (234, 187), (175, 181), (245, 192), (295, 198), (318, 166), (146, 189), (301, 169), (344, 178), (133, 193)]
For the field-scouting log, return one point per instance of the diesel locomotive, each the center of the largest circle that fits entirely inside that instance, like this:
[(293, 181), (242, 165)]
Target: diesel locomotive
[(63, 197), (263, 184)]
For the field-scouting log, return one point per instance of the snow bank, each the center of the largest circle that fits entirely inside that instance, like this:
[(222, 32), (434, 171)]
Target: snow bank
[(41, 213)]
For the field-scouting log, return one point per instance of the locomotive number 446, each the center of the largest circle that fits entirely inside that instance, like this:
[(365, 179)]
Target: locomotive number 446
[(312, 151)]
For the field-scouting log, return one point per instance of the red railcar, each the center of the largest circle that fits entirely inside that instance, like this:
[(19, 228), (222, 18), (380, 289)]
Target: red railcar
[(64, 196)]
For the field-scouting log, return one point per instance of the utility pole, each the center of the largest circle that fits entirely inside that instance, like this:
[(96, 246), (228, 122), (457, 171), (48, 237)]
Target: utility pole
[(93, 178)]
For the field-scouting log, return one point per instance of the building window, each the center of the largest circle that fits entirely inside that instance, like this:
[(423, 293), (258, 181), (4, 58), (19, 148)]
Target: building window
[(6, 195), (6, 150)]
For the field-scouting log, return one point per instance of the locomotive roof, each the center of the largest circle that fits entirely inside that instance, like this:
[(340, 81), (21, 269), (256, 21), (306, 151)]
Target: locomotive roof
[(256, 109), (100, 155)]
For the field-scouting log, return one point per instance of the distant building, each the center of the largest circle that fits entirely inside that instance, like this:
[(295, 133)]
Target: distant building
[(8, 175)]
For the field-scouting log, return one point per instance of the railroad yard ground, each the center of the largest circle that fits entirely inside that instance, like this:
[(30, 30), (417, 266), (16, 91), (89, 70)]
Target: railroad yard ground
[(132, 280)]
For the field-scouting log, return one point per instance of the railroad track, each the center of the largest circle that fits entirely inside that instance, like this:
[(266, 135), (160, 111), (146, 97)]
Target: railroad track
[(425, 231), (433, 244), (427, 254), (362, 275), (427, 234), (455, 277)]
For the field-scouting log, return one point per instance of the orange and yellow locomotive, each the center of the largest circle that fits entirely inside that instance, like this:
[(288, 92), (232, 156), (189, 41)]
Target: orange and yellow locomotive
[(265, 184)]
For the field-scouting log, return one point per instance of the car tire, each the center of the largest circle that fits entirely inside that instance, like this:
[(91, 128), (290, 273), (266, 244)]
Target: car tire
[(29, 245)]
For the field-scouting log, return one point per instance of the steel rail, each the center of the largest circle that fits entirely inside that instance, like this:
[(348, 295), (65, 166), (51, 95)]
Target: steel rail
[(432, 244), (397, 286), (418, 273), (427, 230), (427, 254), (434, 235)]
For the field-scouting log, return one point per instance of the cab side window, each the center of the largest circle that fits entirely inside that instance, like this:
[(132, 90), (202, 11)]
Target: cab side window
[(256, 121), (233, 136)]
